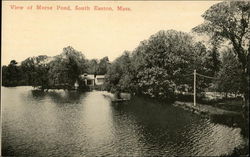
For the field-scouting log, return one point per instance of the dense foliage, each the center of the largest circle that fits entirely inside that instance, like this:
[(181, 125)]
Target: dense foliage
[(12, 74), (229, 77), (160, 66), (64, 69), (229, 22), (59, 72), (98, 67)]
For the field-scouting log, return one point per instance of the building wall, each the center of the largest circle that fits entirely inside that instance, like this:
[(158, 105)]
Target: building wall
[(91, 80), (99, 81)]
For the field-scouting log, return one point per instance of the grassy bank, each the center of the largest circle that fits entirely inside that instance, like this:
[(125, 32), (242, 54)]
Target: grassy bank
[(230, 104)]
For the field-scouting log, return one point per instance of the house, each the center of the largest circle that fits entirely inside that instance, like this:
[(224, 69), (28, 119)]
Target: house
[(92, 80), (88, 79), (99, 79)]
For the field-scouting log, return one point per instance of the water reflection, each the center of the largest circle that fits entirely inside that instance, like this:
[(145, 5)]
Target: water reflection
[(58, 96), (63, 123), (168, 130)]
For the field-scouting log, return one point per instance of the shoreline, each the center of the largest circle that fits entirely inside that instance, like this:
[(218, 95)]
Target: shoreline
[(204, 109), (225, 117), (216, 115)]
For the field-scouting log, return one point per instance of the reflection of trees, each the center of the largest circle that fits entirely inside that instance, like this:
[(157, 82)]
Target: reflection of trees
[(166, 130), (38, 94), (59, 97), (160, 129), (67, 97)]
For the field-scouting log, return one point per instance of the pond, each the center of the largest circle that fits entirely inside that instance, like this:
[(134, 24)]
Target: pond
[(62, 123)]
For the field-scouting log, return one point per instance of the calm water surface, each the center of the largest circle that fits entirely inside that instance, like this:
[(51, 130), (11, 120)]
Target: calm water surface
[(86, 124)]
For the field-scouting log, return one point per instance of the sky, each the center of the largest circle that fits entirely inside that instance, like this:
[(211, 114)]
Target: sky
[(33, 32)]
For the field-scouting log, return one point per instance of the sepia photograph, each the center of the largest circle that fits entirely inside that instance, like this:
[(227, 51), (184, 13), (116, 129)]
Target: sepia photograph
[(125, 78)]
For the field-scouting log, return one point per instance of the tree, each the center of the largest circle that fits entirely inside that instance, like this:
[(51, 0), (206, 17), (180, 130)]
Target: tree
[(58, 72), (103, 66), (117, 76), (35, 70), (156, 83), (159, 65), (93, 66), (11, 74), (228, 79), (175, 52), (65, 69), (98, 67), (229, 21), (213, 59)]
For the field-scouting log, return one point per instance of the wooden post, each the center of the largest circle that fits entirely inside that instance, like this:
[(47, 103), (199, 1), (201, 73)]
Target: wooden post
[(194, 87)]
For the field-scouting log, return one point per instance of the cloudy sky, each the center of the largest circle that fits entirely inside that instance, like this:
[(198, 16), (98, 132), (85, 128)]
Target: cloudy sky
[(96, 34)]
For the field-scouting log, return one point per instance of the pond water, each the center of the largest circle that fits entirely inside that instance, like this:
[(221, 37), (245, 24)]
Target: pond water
[(87, 124)]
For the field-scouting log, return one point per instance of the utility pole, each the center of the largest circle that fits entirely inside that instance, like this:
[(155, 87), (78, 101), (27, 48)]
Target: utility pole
[(194, 87)]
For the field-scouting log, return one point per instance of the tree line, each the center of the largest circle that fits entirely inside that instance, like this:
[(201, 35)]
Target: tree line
[(57, 72), (164, 63), (161, 65)]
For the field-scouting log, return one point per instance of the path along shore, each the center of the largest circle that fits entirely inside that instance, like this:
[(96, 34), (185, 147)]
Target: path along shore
[(204, 109)]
